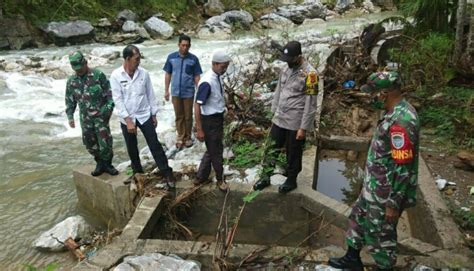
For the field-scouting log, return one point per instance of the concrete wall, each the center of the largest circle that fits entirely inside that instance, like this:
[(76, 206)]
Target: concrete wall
[(104, 199)]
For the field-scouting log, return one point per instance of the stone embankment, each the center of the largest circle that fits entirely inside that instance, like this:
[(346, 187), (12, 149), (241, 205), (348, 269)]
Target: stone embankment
[(126, 27)]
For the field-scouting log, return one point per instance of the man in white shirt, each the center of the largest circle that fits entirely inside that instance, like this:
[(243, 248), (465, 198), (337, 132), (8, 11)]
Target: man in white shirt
[(209, 110), (136, 104)]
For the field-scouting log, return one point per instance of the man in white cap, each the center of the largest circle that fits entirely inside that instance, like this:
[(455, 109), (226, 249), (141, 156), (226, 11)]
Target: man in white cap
[(209, 110)]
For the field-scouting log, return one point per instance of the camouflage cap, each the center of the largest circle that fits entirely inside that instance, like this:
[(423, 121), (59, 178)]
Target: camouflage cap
[(381, 80), (77, 59)]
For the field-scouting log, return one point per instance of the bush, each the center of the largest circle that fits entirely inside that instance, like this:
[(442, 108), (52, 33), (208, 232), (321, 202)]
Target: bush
[(41, 11), (425, 62)]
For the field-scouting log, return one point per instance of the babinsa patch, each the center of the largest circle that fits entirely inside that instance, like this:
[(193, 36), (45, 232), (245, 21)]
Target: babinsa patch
[(402, 148)]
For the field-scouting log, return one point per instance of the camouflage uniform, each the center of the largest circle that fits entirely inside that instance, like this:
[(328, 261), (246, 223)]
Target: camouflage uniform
[(93, 94), (391, 174)]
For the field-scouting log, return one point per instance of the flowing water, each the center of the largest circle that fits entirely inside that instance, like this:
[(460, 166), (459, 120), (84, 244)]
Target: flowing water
[(39, 151)]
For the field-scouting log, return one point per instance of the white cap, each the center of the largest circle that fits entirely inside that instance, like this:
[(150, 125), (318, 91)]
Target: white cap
[(220, 56)]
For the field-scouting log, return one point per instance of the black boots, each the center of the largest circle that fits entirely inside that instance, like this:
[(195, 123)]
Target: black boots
[(99, 168), (262, 183), (287, 186), (108, 168), (104, 166), (349, 261)]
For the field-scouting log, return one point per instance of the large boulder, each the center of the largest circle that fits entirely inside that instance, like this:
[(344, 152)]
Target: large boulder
[(238, 17), (72, 227), (126, 15), (213, 8), (129, 26), (158, 28), (343, 5), (307, 10), (74, 32), (275, 21), (156, 261), (16, 34), (220, 31)]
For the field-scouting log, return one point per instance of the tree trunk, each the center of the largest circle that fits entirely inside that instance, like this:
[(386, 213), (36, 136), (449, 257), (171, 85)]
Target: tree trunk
[(461, 18)]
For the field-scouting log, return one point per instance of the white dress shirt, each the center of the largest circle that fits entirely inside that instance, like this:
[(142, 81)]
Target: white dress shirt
[(133, 97)]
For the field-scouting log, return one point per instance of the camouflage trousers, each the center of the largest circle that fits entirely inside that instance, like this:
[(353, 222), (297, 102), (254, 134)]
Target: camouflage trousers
[(97, 138), (367, 227)]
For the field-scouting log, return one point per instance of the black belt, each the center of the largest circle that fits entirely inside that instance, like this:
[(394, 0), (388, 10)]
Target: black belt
[(216, 115)]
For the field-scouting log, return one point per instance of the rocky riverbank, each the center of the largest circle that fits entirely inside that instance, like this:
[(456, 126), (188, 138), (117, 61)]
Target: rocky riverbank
[(215, 22)]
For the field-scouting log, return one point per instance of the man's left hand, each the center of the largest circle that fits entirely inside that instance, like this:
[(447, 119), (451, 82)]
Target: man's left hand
[(154, 121), (391, 214), (300, 134)]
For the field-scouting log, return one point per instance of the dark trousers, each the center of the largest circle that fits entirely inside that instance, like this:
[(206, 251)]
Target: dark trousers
[(148, 130), (294, 151), (213, 128)]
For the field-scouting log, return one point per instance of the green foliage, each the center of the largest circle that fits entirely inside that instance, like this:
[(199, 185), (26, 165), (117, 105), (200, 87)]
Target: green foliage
[(247, 154), (451, 115), (429, 14), (40, 11), (129, 171), (464, 218), (251, 196), (49, 267), (425, 62)]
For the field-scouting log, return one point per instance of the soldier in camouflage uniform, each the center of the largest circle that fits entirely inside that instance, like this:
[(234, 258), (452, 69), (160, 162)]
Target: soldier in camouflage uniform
[(390, 181), (91, 90)]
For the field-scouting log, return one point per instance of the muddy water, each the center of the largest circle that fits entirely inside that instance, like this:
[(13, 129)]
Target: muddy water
[(340, 179)]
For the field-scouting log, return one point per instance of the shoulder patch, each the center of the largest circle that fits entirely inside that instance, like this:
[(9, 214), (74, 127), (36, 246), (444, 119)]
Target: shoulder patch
[(311, 83), (402, 147)]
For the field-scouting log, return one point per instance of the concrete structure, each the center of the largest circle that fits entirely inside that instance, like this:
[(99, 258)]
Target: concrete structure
[(283, 222), (104, 199)]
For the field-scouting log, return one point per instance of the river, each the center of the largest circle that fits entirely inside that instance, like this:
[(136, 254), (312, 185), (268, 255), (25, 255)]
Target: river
[(39, 151)]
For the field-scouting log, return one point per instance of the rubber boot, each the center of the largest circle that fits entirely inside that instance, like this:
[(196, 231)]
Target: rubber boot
[(349, 261), (109, 168), (288, 185), (99, 168), (262, 183)]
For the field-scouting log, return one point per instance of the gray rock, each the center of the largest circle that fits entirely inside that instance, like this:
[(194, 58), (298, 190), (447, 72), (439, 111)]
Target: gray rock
[(127, 15), (104, 22), (298, 13), (369, 6), (213, 7), (123, 38), (72, 227), (16, 34), (219, 32), (343, 5), (252, 174), (74, 32), (277, 179), (215, 20), (275, 21), (156, 261), (129, 26), (240, 17), (158, 28), (143, 33)]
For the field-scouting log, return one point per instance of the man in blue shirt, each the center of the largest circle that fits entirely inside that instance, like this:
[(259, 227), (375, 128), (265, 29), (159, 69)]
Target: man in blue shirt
[(182, 71)]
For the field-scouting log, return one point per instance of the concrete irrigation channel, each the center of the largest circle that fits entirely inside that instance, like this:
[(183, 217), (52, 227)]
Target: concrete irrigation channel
[(304, 223)]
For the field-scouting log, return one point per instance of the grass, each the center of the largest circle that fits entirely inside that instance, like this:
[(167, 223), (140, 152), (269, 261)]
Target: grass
[(450, 116)]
